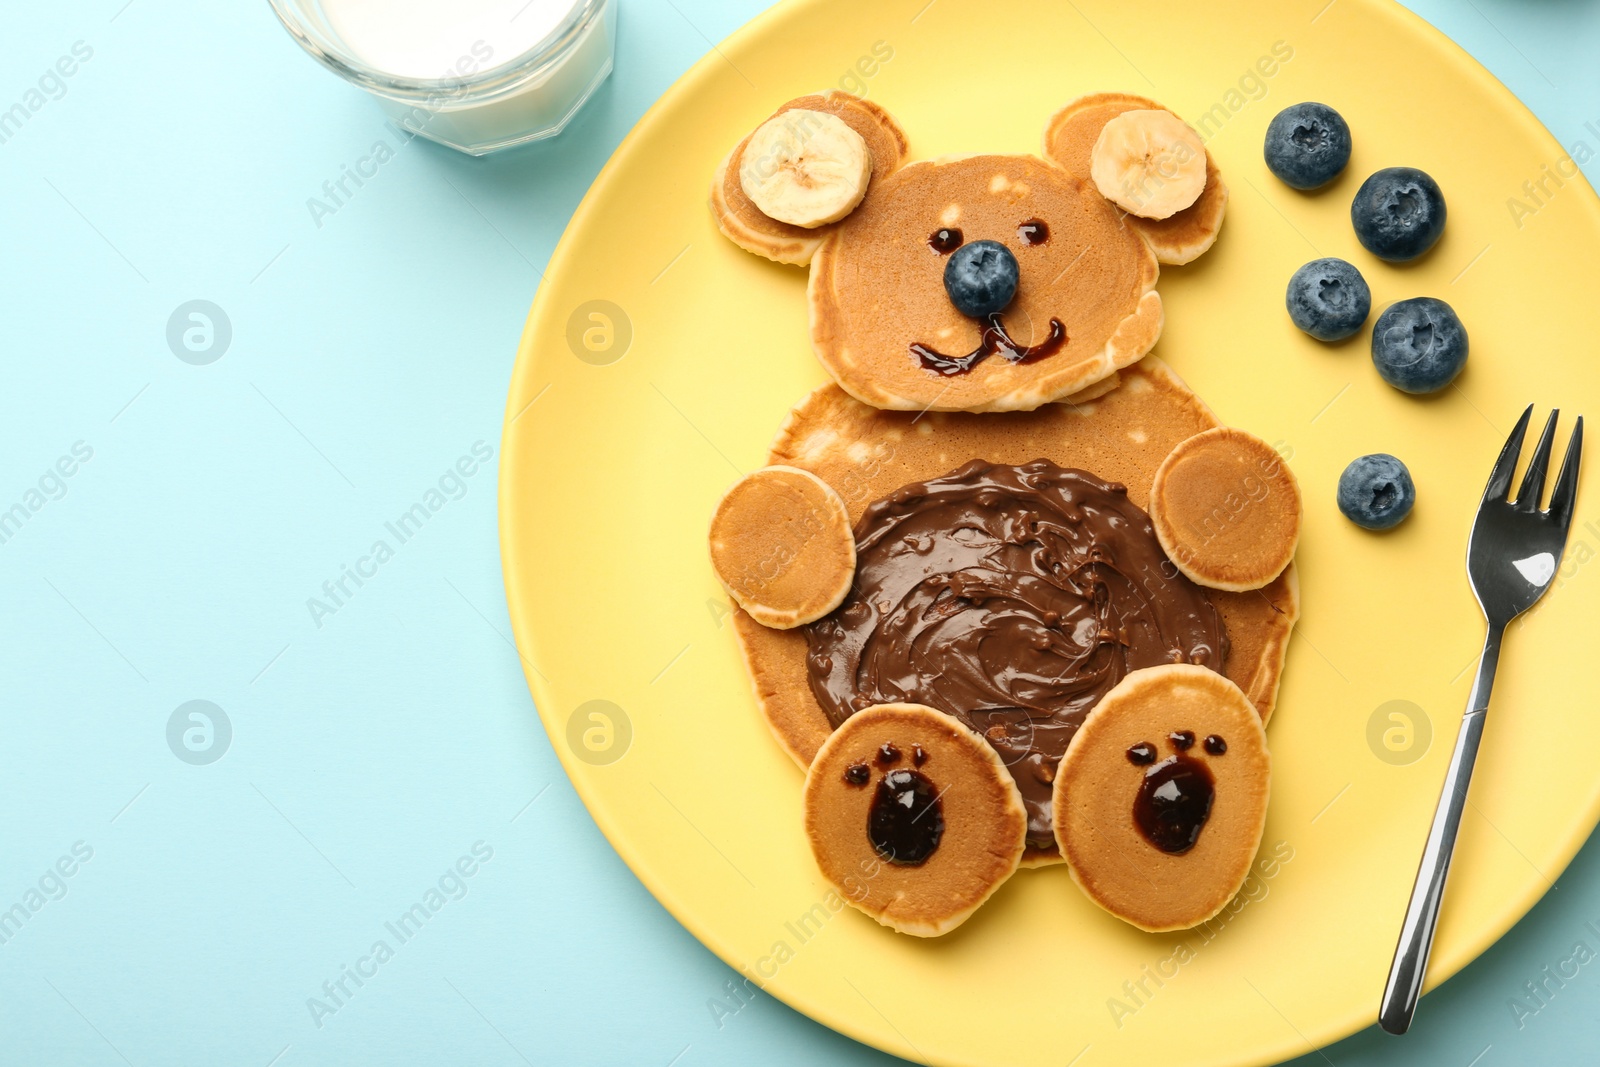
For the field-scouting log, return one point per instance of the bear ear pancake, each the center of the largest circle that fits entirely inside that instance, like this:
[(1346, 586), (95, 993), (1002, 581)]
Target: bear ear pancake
[(1070, 135), (1069, 140), (748, 227)]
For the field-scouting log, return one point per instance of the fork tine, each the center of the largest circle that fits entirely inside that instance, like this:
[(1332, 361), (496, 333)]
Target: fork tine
[(1506, 465), (1532, 487), (1565, 494)]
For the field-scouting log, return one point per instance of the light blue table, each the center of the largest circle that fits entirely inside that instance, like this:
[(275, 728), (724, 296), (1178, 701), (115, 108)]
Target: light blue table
[(187, 913)]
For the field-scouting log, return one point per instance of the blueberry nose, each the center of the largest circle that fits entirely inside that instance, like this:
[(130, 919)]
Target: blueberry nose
[(981, 278)]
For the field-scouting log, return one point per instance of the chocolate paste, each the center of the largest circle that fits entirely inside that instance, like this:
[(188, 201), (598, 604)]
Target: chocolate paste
[(1013, 598)]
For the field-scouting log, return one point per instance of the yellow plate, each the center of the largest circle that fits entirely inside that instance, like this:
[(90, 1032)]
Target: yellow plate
[(623, 429)]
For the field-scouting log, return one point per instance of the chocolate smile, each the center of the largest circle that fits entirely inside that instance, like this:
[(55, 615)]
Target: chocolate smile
[(994, 342)]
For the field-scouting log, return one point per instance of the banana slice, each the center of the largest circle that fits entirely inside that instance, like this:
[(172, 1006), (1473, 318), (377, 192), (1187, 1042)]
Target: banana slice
[(1149, 163), (806, 168)]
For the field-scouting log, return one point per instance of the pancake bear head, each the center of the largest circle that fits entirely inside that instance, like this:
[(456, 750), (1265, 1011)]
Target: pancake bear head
[(973, 283)]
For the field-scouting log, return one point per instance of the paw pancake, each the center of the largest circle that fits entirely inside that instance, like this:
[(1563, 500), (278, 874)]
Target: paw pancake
[(782, 547), (1226, 510), (912, 817), (1180, 238), (1162, 797)]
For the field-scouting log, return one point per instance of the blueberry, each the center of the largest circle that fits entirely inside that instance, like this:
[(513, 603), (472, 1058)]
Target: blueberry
[(1376, 492), (1329, 299), (1307, 145), (1398, 213), (981, 278), (1419, 345)]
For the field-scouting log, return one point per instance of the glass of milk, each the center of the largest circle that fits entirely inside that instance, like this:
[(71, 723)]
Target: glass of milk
[(477, 75)]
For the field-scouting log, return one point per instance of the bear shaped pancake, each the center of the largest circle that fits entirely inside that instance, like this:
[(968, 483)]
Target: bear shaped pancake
[(1078, 274)]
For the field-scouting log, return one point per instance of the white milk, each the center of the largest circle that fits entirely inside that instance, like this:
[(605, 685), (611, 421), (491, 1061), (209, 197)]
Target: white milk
[(532, 93), (437, 38)]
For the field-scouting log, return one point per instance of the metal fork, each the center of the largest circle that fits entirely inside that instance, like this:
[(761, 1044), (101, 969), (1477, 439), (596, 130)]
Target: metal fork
[(1513, 555)]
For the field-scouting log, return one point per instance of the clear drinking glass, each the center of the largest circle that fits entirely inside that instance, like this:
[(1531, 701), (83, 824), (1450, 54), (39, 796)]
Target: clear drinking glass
[(512, 100)]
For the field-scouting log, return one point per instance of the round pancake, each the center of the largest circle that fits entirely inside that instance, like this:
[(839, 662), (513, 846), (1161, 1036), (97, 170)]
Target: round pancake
[(781, 546), (877, 287), (975, 821), (748, 227), (1226, 510), (1069, 140), (1124, 435), (1189, 744)]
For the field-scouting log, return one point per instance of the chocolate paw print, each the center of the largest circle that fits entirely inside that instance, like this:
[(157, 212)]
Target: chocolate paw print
[(1162, 833), (912, 817), (1175, 797)]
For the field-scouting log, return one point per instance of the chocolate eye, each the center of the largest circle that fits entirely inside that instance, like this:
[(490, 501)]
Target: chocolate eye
[(1142, 755), (857, 774), (1182, 740), (888, 755), (1034, 232), (1216, 745), (945, 241)]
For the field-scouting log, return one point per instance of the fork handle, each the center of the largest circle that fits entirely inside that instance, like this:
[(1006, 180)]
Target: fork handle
[(1422, 914)]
